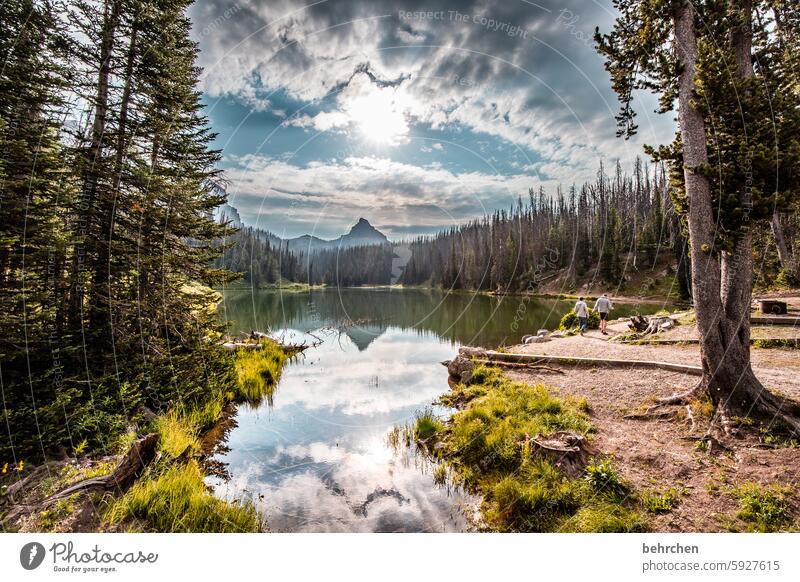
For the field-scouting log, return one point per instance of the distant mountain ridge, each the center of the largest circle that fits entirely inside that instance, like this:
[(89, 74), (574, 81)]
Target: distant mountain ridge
[(362, 233)]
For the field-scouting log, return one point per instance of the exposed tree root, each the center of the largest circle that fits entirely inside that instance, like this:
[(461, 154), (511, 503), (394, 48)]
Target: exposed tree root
[(773, 407), (682, 398), (690, 418)]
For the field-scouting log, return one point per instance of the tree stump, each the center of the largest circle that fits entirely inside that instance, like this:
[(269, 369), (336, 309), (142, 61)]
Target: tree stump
[(566, 450)]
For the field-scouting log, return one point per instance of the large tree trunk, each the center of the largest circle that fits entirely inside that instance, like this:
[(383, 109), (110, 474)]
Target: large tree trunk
[(721, 286)]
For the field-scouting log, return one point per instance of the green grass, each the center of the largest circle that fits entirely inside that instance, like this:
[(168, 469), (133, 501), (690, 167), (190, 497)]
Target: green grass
[(763, 508), (485, 448), (49, 519), (177, 500), (173, 497), (786, 343), (176, 433), (603, 477), (258, 371), (605, 518)]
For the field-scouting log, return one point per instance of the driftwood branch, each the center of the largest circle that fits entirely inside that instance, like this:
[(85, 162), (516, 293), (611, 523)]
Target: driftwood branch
[(253, 342), (141, 453)]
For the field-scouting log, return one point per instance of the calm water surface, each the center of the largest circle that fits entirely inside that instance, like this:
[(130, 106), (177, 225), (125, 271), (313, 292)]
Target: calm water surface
[(317, 458)]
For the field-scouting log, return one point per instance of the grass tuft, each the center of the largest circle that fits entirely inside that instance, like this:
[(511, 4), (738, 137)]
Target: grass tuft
[(177, 501), (605, 518), (659, 502), (427, 425), (765, 508), (603, 477), (258, 371), (176, 432)]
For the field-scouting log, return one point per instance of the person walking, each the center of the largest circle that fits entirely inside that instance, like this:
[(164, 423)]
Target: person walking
[(603, 307), (582, 311)]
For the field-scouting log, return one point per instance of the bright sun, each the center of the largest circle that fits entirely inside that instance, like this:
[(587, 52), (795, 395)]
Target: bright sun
[(379, 116)]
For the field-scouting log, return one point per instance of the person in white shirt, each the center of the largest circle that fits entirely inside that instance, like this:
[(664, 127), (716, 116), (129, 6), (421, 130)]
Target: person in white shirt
[(582, 311), (603, 307)]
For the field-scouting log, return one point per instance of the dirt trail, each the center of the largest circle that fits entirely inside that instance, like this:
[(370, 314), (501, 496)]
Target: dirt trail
[(658, 454), (779, 369)]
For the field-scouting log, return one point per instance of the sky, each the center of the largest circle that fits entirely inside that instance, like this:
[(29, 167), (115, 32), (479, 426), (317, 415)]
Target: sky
[(414, 115)]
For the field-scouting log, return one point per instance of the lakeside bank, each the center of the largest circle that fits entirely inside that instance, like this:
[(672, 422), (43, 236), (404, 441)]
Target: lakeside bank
[(661, 473), (164, 488)]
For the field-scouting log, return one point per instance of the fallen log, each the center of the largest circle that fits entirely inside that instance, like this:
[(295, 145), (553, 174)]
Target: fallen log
[(577, 361), (650, 325), (240, 346), (534, 367), (638, 323), (141, 453), (257, 345), (124, 474), (33, 476)]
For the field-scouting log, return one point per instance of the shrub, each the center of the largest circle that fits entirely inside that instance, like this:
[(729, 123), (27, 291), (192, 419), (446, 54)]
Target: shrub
[(785, 280), (570, 321)]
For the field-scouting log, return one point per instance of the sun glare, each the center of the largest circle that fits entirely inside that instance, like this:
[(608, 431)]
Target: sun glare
[(379, 116)]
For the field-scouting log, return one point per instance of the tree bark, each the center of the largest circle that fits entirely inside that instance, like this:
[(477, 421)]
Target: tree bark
[(100, 316), (787, 259), (91, 177), (722, 286)]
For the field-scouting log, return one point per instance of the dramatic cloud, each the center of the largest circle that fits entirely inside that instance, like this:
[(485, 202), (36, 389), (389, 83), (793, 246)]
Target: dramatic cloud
[(495, 78)]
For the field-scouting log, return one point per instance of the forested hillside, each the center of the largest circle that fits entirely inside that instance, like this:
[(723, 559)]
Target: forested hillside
[(599, 231), (613, 230), (106, 222)]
